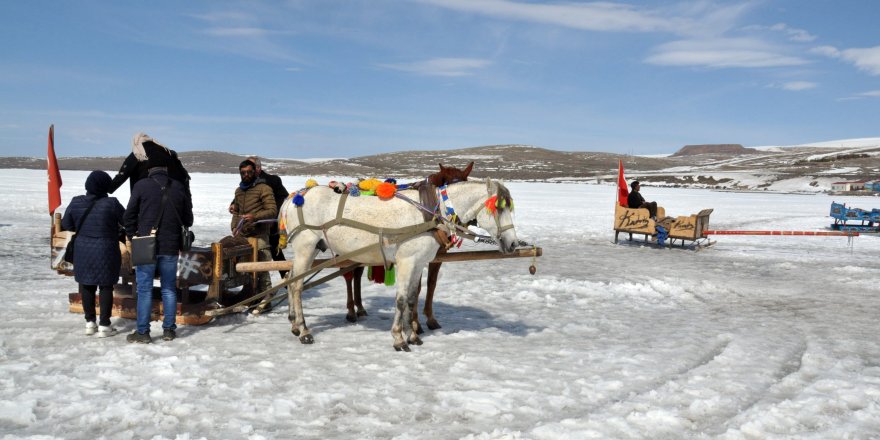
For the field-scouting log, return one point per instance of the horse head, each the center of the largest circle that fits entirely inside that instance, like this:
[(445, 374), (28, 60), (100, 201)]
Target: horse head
[(448, 175), (489, 204)]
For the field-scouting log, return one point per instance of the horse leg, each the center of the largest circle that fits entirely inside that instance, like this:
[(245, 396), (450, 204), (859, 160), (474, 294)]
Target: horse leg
[(353, 291), (349, 298), (433, 271), (294, 297), (358, 273), (415, 313), (406, 293)]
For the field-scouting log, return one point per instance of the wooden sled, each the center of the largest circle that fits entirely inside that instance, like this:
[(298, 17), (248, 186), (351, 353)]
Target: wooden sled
[(687, 230), (206, 279)]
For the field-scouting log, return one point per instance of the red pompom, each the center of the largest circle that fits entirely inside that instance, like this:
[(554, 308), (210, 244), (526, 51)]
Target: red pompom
[(386, 190)]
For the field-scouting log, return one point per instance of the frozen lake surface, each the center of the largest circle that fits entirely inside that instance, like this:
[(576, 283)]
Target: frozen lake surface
[(753, 338)]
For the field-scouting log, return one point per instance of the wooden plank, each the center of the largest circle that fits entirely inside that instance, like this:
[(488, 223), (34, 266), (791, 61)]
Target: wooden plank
[(269, 266)]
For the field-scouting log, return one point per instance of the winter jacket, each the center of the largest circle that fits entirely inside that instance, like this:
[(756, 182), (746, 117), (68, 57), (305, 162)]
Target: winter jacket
[(133, 170), (144, 206), (635, 200), (259, 201), (96, 258), (278, 190)]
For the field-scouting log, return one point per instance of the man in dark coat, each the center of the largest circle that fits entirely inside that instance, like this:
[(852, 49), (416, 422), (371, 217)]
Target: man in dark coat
[(254, 205), (635, 200), (97, 258), (136, 165), (144, 209), (280, 193)]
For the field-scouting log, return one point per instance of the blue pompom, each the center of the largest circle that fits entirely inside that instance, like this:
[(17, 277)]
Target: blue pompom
[(354, 191), (298, 199), (390, 180)]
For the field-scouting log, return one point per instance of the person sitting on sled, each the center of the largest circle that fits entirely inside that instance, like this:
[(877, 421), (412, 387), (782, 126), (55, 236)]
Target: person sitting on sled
[(635, 200)]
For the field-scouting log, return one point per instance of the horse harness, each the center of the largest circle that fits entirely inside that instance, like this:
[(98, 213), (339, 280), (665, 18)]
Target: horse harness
[(434, 220)]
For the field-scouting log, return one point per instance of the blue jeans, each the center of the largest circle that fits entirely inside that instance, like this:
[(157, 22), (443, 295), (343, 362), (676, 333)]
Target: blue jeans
[(167, 266)]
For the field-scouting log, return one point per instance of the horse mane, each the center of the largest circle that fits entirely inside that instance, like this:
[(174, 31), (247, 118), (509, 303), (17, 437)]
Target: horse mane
[(504, 197)]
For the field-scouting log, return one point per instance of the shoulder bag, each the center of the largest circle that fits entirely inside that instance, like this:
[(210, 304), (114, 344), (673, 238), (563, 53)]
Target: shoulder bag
[(143, 249)]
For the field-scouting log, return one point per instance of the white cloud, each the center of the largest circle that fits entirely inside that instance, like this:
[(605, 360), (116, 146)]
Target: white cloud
[(682, 19), (794, 34), (871, 94), (441, 66), (721, 53), (867, 59), (829, 51), (799, 85), (236, 32)]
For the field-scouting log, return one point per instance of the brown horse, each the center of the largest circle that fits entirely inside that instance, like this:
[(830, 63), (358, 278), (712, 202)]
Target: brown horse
[(445, 176)]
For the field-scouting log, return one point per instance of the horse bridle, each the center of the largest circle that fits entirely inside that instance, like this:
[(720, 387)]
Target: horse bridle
[(494, 213)]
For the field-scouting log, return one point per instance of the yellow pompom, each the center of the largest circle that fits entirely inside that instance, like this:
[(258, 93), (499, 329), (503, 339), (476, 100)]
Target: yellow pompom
[(369, 184), (311, 183)]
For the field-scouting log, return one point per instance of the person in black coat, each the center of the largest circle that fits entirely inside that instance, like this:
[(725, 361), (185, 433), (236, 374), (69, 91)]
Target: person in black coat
[(145, 206), (97, 258), (635, 200), (280, 194), (136, 165)]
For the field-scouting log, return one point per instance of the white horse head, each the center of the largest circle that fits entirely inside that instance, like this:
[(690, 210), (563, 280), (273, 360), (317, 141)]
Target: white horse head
[(373, 231), (494, 212)]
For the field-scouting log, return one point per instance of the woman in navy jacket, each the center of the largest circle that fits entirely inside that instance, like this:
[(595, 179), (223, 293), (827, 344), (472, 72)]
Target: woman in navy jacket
[(96, 255)]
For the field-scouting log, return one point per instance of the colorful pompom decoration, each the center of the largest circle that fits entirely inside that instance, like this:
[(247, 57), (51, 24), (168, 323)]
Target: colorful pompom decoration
[(490, 204), (391, 180), (368, 184), (338, 187), (386, 190), (311, 183), (298, 199), (354, 191)]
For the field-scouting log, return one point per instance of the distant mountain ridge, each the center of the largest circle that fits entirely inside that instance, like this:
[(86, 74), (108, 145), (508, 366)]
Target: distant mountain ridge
[(795, 168)]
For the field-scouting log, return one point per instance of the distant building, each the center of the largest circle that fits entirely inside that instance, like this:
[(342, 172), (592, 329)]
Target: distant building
[(873, 186), (848, 186)]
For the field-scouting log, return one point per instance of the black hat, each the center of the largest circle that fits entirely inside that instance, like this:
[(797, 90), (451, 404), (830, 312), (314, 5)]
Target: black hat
[(157, 155), (98, 183)]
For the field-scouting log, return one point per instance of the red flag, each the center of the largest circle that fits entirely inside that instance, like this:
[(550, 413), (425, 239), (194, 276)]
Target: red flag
[(622, 190), (54, 174)]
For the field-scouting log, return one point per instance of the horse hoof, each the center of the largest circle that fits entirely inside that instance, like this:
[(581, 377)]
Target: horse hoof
[(433, 325), (362, 313), (351, 318), (415, 340), (307, 339), (401, 347), (295, 331)]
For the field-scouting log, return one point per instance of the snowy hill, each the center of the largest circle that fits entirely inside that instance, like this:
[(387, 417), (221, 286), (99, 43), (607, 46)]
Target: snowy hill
[(802, 168)]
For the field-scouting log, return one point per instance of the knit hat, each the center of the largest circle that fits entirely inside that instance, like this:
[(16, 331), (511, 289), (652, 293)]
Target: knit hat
[(158, 155), (98, 183)]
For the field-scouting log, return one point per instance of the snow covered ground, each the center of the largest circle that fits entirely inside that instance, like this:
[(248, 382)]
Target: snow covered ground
[(753, 338)]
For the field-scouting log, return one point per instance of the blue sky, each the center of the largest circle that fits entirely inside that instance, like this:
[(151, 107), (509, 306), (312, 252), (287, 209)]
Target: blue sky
[(344, 78)]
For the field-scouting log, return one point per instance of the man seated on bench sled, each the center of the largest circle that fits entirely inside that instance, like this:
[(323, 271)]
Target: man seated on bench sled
[(635, 200)]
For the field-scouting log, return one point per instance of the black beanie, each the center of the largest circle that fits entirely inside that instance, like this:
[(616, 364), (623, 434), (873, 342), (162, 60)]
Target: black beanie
[(98, 183), (157, 155)]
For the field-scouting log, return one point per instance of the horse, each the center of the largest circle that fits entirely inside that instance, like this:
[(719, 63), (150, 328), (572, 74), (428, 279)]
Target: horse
[(372, 231), (446, 176)]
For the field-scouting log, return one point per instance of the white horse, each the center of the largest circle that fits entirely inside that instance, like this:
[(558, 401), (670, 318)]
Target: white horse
[(373, 231)]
